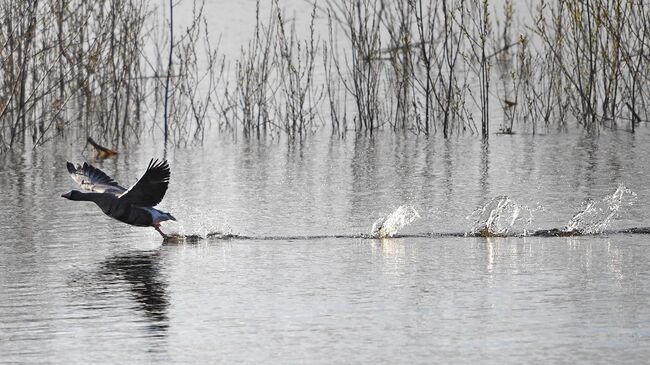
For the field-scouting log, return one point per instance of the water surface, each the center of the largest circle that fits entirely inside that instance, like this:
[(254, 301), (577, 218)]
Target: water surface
[(78, 287)]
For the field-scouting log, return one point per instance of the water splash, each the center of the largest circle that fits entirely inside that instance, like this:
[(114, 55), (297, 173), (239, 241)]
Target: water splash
[(191, 232), (391, 224), (596, 216), (499, 217)]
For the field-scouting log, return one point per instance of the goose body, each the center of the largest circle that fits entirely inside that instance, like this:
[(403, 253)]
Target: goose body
[(134, 206)]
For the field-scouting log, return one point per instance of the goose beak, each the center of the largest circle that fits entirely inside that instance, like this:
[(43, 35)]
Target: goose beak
[(66, 195)]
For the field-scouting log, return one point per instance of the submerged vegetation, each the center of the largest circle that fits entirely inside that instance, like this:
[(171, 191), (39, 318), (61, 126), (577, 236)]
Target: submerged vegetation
[(119, 68)]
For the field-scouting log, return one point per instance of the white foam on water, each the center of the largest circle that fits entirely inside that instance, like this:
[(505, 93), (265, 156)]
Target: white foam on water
[(499, 217), (597, 215), (391, 224), (193, 226)]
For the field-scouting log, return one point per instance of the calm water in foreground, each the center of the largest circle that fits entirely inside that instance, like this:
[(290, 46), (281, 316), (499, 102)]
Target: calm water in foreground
[(78, 287)]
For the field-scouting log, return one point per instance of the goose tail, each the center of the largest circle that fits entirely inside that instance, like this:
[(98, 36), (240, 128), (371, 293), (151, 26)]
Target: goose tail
[(158, 216)]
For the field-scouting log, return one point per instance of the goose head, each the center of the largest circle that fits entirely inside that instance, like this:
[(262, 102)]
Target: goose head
[(72, 195)]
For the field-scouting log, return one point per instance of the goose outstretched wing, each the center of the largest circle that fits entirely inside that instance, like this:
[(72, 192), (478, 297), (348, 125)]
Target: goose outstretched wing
[(93, 179), (152, 186)]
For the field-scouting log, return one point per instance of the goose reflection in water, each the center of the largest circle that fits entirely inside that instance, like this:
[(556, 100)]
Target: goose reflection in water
[(141, 270)]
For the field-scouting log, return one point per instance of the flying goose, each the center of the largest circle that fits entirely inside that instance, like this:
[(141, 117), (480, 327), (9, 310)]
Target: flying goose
[(101, 152), (134, 206)]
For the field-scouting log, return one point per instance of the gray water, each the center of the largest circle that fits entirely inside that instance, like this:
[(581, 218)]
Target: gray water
[(79, 287)]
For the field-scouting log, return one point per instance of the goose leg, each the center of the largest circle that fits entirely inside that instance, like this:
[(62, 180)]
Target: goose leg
[(157, 227)]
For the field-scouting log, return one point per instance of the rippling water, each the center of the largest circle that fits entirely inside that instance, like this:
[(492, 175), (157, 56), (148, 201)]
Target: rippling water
[(78, 287)]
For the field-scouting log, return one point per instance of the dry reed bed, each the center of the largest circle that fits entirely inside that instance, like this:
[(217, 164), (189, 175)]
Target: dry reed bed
[(120, 68)]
